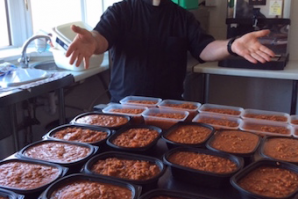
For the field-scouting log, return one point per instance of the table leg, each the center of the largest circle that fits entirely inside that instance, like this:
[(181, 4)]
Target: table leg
[(13, 122), (294, 97), (61, 105), (104, 84), (206, 78)]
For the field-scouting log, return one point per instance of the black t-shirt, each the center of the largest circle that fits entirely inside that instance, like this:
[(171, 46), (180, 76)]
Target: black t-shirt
[(149, 47)]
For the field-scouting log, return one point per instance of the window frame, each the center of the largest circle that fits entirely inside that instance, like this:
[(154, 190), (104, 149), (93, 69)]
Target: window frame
[(20, 23)]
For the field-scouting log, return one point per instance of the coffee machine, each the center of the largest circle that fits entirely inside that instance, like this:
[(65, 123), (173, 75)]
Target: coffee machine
[(245, 16)]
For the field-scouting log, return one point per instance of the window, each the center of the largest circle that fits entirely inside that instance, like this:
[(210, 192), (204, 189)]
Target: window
[(95, 8), (4, 34), (20, 19), (46, 14)]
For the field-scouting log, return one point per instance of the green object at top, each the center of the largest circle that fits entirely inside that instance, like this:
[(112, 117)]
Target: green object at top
[(187, 4)]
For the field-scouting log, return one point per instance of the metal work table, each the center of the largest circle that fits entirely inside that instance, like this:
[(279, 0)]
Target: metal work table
[(12, 97), (290, 72)]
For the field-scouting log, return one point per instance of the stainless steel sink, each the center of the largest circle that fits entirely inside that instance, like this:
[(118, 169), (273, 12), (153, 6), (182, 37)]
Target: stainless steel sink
[(47, 66)]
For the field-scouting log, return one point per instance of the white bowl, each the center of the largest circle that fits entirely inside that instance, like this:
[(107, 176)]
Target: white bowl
[(63, 62)]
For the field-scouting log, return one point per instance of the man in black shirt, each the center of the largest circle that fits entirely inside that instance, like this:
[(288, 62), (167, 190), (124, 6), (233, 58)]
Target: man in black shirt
[(149, 40)]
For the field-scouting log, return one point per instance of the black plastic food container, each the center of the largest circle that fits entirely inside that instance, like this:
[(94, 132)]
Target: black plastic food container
[(101, 143), (135, 189), (145, 150), (73, 166), (146, 184), (263, 162), (172, 194), (247, 157), (171, 144), (268, 138), (34, 192), (198, 177), (113, 127), (10, 195)]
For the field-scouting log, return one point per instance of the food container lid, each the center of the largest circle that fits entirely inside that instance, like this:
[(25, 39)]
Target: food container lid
[(173, 193), (92, 151), (147, 114), (128, 156), (218, 121), (135, 189), (141, 101), (262, 162), (261, 115), (176, 104), (51, 133), (134, 149), (10, 195), (295, 131), (61, 172), (292, 149), (237, 160), (294, 120), (252, 152), (109, 109), (263, 128), (222, 110), (128, 118), (181, 124)]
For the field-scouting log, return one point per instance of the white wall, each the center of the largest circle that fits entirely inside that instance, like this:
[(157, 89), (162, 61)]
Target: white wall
[(293, 47)]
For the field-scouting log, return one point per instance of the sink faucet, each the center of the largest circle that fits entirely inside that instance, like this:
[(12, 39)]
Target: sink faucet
[(24, 60)]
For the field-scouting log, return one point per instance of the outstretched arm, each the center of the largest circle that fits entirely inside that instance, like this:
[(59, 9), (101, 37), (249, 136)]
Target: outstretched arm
[(246, 46), (85, 44)]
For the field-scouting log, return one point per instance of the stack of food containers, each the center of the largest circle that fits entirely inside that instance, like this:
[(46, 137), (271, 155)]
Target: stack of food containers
[(163, 113), (294, 124), (266, 122), (134, 111), (219, 116)]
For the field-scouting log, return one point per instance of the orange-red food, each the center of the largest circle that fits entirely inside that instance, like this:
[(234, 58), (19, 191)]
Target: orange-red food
[(203, 162), (127, 110), (235, 141), (219, 122), (23, 175), (223, 111), (285, 149), (142, 102), (169, 115), (91, 189), (135, 113), (270, 182), (268, 128), (126, 169), (189, 134), (80, 135), (136, 137), (57, 152), (279, 118), (182, 106), (103, 120), (294, 122)]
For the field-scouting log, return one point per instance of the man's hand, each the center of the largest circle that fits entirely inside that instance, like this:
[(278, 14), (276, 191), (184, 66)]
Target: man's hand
[(82, 47), (251, 49)]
